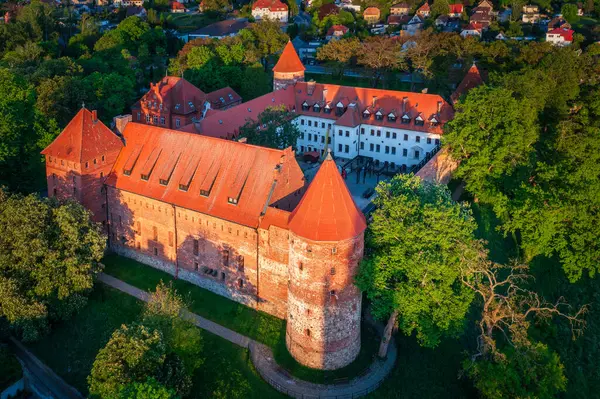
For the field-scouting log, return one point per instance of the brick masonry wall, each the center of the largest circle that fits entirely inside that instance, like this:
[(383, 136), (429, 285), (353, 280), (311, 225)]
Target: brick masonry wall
[(281, 80), (324, 305), (273, 270)]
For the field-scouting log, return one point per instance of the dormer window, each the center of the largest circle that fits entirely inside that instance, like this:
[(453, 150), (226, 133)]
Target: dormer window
[(232, 200), (391, 117), (177, 106), (183, 187), (419, 121), (305, 106), (379, 116), (204, 193), (230, 97), (366, 114), (316, 108), (434, 121), (191, 105), (222, 100), (405, 118), (327, 109)]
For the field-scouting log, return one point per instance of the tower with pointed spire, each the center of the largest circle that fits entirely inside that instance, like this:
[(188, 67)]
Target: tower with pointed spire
[(326, 246), (78, 161), (289, 69)]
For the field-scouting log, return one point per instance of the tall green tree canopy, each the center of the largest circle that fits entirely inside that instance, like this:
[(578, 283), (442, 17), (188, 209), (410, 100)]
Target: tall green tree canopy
[(49, 259), (274, 128), (418, 238)]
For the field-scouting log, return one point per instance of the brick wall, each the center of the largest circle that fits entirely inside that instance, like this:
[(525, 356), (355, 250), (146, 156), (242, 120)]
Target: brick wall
[(281, 80), (324, 305), (273, 270)]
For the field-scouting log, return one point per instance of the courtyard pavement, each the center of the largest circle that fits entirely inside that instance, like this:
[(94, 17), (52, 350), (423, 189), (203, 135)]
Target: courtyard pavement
[(263, 360)]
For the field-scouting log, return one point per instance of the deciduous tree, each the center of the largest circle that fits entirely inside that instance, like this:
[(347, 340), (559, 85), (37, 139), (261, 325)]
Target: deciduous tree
[(338, 53), (274, 128)]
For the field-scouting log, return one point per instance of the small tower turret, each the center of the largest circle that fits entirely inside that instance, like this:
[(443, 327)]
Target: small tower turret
[(326, 246), (289, 68)]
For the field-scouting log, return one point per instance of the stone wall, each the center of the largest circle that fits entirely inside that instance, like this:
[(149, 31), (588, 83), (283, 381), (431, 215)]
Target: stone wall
[(324, 305), (273, 270)]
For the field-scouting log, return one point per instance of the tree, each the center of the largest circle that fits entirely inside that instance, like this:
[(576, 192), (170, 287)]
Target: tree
[(131, 355), (507, 363), (380, 55), (492, 135), (274, 129), (338, 53), (267, 38), (49, 259), (150, 389), (440, 7), (569, 12), (418, 238)]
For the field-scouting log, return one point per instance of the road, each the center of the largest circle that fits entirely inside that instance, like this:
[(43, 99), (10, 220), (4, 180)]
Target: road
[(321, 70)]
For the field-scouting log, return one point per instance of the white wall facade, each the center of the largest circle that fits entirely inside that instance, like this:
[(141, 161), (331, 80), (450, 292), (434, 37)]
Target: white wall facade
[(265, 13), (392, 144)]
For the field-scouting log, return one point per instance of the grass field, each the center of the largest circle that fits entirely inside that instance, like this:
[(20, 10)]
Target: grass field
[(71, 348)]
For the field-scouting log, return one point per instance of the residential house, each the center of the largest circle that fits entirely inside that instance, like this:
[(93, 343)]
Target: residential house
[(128, 3), (400, 9), (372, 15), (531, 14), (396, 20), (487, 5), (348, 5), (560, 36), (447, 24), (455, 10), (481, 17), (307, 51), (473, 29), (336, 32), (424, 11), (223, 99), (414, 26), (218, 30), (137, 11), (558, 22), (270, 9), (328, 9), (177, 7), (500, 36)]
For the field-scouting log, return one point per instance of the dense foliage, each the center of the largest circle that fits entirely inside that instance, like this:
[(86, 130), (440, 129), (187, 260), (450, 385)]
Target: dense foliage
[(273, 128), (49, 259)]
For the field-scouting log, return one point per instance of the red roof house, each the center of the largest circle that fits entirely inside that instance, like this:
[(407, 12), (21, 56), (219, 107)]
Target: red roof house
[(455, 10), (336, 31)]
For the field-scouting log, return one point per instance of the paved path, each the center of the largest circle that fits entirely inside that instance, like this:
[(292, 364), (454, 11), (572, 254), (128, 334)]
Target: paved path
[(270, 371)]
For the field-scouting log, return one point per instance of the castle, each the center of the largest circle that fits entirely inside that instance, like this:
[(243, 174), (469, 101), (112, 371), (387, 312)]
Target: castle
[(237, 219)]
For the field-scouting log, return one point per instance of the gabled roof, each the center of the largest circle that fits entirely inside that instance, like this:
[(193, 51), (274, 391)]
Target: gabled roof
[(327, 211), (456, 8), (424, 8), (222, 178), (337, 28), (175, 5), (289, 61), (372, 11), (174, 94), (472, 79), (272, 5), (84, 138), (567, 34), (223, 97)]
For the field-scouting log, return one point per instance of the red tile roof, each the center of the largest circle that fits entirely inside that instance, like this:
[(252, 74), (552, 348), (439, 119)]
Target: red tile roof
[(456, 8), (289, 61), (328, 9), (226, 171), (567, 34), (398, 19), (424, 7), (472, 79), (327, 211), (222, 97), (176, 95), (275, 217), (372, 11), (175, 5), (337, 28), (272, 5), (83, 139)]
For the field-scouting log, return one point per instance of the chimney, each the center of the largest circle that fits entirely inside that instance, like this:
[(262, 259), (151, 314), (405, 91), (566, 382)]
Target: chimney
[(310, 87), (94, 116), (439, 107), (404, 102), (374, 101), (120, 121), (324, 94)]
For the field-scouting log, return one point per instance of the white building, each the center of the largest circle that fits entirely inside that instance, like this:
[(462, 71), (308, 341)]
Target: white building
[(560, 36), (270, 9)]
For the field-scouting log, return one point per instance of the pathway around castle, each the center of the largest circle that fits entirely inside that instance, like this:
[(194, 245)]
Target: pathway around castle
[(263, 360)]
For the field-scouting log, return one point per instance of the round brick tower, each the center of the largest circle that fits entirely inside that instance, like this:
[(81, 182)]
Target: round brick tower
[(326, 246), (289, 68)]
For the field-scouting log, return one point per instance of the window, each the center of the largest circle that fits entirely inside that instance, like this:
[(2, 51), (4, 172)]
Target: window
[(302, 122), (177, 122), (428, 140), (387, 135), (170, 238), (417, 154), (329, 140), (103, 158), (155, 119), (162, 120), (329, 126), (322, 139), (387, 149), (241, 283), (405, 119), (196, 266), (379, 133), (300, 266), (139, 116), (305, 106), (147, 118), (95, 161), (322, 125), (347, 149), (340, 133), (418, 139), (377, 148), (437, 141), (302, 135), (309, 123), (392, 118), (362, 145), (87, 164), (307, 332), (406, 137), (155, 251), (404, 152), (362, 130), (339, 147), (372, 132), (138, 228), (379, 116), (154, 233), (393, 150), (332, 271), (371, 146), (316, 138), (101, 174), (241, 263), (347, 133), (225, 256), (196, 246), (223, 276), (394, 135), (309, 136), (419, 121)]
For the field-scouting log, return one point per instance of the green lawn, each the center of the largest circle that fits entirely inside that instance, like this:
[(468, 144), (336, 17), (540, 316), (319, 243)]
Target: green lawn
[(254, 324), (71, 348)]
